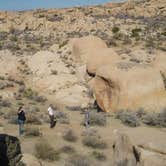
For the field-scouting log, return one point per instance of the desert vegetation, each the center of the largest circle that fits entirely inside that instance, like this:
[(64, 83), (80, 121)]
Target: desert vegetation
[(50, 56)]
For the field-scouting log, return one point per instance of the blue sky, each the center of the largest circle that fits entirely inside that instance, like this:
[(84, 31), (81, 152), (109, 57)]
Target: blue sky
[(32, 4)]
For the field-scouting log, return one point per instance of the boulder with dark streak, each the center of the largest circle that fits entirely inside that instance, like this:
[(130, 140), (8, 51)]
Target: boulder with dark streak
[(10, 150)]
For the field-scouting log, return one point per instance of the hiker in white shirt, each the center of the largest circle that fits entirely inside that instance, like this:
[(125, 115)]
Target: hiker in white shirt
[(51, 115)]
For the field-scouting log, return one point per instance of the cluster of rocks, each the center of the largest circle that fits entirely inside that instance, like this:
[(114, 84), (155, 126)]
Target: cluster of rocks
[(118, 83)]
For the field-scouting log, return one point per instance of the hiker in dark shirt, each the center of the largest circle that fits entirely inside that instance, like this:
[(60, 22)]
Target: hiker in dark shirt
[(21, 120)]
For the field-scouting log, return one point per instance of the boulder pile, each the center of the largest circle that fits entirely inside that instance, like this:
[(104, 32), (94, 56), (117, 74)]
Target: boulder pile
[(118, 83)]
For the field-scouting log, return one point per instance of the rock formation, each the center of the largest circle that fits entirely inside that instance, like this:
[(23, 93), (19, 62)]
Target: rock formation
[(10, 150)]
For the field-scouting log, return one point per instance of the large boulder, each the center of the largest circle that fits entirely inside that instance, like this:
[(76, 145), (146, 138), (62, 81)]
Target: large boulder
[(124, 153), (151, 158), (129, 86), (10, 150), (100, 57), (82, 46), (128, 154)]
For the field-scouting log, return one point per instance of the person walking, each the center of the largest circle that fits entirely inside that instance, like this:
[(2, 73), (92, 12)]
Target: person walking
[(87, 118), (51, 113), (21, 120)]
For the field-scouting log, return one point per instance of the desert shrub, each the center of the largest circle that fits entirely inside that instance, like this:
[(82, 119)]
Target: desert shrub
[(150, 119), (19, 82), (99, 156), (67, 149), (94, 142), (54, 72), (1, 112), (28, 93), (32, 95), (128, 118), (34, 109), (11, 116), (13, 120), (54, 18), (163, 33), (2, 78), (5, 103), (1, 125), (3, 35), (90, 132), (44, 151), (33, 119), (21, 89), (70, 136), (40, 99), (63, 44), (31, 131), (135, 32), (2, 85), (20, 103), (162, 118), (74, 108), (155, 119), (14, 38), (98, 119), (115, 29), (78, 160), (62, 117), (140, 113)]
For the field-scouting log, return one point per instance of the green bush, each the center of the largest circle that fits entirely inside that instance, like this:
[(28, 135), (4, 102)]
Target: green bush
[(99, 156), (28, 93), (44, 151), (135, 32), (2, 78), (63, 44), (115, 29)]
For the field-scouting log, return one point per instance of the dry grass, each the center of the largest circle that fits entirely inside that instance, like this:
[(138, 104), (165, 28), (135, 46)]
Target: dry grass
[(94, 142), (31, 131), (67, 149), (78, 160), (44, 151), (70, 136)]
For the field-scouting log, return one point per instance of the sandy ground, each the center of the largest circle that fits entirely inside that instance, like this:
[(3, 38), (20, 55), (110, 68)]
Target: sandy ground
[(138, 135)]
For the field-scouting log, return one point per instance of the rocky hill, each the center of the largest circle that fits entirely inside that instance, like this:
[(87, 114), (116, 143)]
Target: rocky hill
[(112, 54)]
